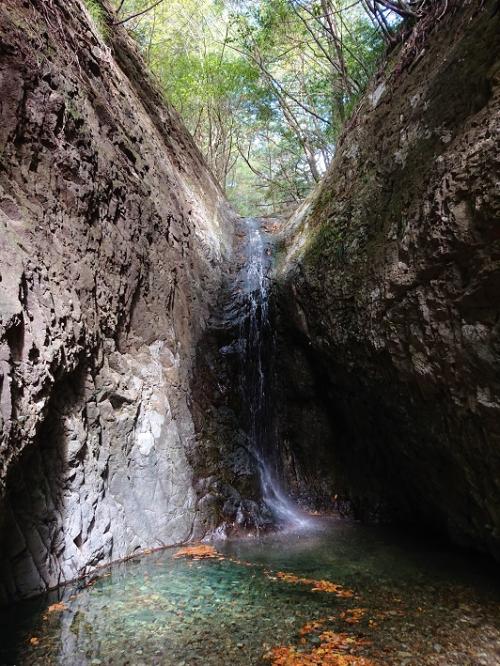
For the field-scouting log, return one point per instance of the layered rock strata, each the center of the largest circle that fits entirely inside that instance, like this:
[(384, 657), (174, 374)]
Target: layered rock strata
[(113, 237)]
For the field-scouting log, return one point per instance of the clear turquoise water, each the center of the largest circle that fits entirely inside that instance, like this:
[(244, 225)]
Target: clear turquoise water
[(423, 604)]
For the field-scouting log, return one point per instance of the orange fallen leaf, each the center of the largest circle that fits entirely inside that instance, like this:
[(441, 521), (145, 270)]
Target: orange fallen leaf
[(331, 652), (353, 615), (316, 585), (309, 627), (199, 552), (54, 608), (383, 615), (34, 640)]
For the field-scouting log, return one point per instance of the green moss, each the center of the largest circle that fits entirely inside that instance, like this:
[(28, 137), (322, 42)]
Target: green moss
[(72, 111), (279, 251), (327, 239)]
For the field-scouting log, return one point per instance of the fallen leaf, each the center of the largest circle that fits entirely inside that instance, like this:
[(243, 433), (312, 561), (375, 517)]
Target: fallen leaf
[(353, 615), (331, 652), (316, 585), (199, 552), (310, 627)]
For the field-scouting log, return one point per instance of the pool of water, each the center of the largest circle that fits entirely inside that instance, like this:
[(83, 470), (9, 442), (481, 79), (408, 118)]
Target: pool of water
[(338, 593)]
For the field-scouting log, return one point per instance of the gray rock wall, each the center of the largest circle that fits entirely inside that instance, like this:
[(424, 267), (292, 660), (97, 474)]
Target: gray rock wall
[(113, 237), (388, 293)]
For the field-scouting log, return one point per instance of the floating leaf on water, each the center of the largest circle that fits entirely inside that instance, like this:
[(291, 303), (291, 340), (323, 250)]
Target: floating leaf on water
[(199, 552)]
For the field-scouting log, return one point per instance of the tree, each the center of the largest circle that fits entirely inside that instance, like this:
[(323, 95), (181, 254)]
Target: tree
[(264, 87)]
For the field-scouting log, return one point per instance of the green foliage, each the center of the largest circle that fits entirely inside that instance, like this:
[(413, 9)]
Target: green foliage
[(98, 15), (264, 86)]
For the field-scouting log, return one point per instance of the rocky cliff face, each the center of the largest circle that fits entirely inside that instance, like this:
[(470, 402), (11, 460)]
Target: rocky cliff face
[(226, 471), (388, 289), (113, 234)]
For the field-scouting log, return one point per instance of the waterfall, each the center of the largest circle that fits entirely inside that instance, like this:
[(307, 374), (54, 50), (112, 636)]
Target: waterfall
[(256, 333)]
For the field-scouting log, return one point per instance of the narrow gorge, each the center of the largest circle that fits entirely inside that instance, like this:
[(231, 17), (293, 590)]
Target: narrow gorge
[(292, 397)]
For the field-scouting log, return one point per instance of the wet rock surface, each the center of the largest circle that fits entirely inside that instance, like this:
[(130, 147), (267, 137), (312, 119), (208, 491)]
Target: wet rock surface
[(387, 295), (225, 391), (113, 238)]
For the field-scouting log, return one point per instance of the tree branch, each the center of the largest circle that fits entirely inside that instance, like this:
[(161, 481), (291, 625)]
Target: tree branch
[(144, 11)]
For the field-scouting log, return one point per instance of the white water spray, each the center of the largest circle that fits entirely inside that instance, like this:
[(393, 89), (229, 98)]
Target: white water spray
[(256, 284)]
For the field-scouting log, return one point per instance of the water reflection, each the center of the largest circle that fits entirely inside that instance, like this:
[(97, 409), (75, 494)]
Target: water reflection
[(410, 604)]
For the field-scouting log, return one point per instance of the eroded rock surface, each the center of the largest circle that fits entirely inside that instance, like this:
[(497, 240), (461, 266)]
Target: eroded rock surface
[(113, 238), (388, 294)]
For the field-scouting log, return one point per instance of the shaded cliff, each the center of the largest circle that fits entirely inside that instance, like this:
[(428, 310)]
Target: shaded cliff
[(113, 234), (387, 294)]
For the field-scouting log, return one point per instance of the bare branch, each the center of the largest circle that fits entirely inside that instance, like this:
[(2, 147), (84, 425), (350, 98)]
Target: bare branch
[(144, 11)]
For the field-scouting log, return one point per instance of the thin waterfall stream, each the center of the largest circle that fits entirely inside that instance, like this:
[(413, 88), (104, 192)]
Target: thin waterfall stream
[(256, 332)]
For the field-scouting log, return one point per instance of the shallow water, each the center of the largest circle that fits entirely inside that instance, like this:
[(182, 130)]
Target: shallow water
[(400, 602)]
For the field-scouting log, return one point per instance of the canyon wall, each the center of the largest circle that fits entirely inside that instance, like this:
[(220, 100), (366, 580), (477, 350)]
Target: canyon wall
[(387, 294), (123, 418), (113, 239)]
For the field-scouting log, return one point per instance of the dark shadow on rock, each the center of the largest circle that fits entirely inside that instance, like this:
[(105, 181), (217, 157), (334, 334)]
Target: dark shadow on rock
[(31, 532)]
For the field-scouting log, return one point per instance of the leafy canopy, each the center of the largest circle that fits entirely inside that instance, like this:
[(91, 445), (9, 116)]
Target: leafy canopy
[(264, 86)]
